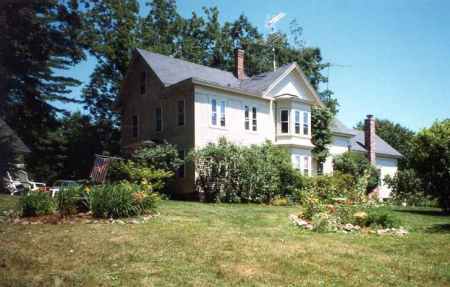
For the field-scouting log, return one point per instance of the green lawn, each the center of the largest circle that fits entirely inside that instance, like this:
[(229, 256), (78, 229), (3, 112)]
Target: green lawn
[(195, 244)]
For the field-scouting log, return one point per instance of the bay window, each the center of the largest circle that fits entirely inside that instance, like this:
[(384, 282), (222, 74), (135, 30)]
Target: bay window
[(297, 122), (284, 119), (305, 123)]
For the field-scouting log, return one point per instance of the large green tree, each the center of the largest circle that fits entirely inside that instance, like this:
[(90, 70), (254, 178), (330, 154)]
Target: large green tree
[(36, 38), (431, 161)]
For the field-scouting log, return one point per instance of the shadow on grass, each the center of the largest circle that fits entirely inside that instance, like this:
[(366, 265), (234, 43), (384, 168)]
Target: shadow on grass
[(439, 228), (429, 212)]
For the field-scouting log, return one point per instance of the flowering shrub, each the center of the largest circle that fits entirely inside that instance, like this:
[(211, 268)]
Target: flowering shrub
[(232, 173)]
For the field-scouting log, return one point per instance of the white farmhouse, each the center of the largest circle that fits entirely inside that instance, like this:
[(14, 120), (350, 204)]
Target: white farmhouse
[(190, 105)]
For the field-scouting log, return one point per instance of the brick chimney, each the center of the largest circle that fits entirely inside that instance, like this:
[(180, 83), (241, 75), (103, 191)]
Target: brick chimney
[(369, 137), (239, 64)]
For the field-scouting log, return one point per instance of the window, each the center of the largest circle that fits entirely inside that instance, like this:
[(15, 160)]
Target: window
[(180, 113), (214, 112), (247, 118), (297, 122), (284, 121), (222, 113), (134, 126), (297, 162), (305, 123), (306, 165), (158, 119), (182, 169), (143, 77), (218, 116), (254, 121)]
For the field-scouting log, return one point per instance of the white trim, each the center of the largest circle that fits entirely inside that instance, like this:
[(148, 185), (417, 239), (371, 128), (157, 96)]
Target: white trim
[(299, 113), (288, 121), (308, 119), (302, 76)]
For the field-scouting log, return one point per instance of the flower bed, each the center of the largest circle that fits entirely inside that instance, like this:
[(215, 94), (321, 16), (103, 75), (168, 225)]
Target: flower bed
[(348, 218), (113, 203)]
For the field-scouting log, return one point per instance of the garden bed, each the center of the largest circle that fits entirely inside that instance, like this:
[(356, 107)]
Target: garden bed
[(80, 218)]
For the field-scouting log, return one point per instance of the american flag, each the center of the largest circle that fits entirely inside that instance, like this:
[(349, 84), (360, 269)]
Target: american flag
[(100, 169)]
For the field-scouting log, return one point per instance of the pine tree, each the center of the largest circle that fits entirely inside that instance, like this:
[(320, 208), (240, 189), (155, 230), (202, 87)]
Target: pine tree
[(38, 37)]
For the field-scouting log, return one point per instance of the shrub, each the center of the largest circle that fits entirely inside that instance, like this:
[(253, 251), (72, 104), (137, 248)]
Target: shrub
[(407, 187), (382, 218), (324, 222), (329, 187), (259, 173), (121, 200), (311, 206), (151, 179), (357, 165), (36, 203), (71, 200), (160, 157)]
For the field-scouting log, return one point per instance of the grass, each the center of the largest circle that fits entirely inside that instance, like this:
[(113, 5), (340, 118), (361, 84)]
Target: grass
[(195, 244)]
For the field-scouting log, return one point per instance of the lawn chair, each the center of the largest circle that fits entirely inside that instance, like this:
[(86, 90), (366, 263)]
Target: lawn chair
[(13, 186), (22, 176)]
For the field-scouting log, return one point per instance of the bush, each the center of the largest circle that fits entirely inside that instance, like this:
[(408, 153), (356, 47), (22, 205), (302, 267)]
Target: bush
[(151, 179), (72, 200), (382, 218), (36, 203), (324, 222), (357, 165), (121, 200), (259, 173), (329, 187), (407, 187), (160, 157)]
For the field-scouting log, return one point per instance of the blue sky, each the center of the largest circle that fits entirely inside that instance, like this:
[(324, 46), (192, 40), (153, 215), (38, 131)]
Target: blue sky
[(398, 52)]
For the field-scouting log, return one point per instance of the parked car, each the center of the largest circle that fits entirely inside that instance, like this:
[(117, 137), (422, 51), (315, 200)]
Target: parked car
[(60, 184)]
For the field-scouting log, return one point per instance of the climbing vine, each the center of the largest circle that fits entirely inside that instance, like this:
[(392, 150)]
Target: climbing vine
[(321, 118)]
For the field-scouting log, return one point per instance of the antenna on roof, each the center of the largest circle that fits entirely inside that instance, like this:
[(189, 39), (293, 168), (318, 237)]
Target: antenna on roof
[(270, 24)]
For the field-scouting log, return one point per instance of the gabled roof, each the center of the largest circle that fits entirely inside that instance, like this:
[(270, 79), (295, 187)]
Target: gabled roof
[(10, 143), (337, 127), (381, 147), (260, 83), (357, 140), (172, 70)]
